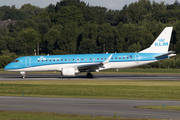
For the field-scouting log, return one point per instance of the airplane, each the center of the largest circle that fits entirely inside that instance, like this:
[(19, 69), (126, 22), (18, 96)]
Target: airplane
[(71, 65)]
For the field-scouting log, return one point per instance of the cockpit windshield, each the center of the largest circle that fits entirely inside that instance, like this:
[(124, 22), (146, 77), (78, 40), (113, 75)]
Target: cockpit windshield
[(15, 61)]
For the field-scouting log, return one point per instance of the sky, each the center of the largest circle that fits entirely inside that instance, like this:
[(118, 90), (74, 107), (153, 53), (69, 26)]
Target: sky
[(110, 4)]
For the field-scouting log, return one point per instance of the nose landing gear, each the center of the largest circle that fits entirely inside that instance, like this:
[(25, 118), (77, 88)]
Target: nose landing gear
[(23, 75)]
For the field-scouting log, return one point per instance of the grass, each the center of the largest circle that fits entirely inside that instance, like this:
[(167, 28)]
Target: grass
[(7, 115), (108, 89), (123, 71), (160, 107)]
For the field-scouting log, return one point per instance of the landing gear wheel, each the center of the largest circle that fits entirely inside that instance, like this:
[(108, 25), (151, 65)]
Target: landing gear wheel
[(89, 75), (23, 77)]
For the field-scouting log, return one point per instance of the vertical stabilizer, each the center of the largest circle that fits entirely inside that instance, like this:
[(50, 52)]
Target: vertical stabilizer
[(161, 44)]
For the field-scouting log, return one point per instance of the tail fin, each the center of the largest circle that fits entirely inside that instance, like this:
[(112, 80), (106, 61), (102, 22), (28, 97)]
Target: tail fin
[(161, 44)]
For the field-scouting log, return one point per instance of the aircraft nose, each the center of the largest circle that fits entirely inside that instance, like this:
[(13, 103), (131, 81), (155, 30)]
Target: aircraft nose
[(7, 67)]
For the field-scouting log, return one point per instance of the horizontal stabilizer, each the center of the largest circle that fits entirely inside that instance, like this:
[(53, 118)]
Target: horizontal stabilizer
[(163, 55)]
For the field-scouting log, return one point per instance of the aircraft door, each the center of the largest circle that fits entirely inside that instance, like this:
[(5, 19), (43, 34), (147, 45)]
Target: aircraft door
[(137, 58), (28, 62)]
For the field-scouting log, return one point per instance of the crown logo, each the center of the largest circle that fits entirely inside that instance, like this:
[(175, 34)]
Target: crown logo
[(161, 40)]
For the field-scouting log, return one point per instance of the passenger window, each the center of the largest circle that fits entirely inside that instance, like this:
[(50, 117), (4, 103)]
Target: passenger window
[(123, 57), (61, 59), (50, 60), (127, 57), (42, 60), (65, 59), (57, 59), (101, 58), (81, 59), (86, 58), (116, 58), (94, 59), (69, 59), (105, 58), (112, 58), (73, 59), (38, 60), (54, 60), (119, 57), (46, 60), (90, 59), (98, 59)]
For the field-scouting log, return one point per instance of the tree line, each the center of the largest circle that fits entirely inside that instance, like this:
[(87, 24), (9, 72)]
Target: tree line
[(75, 27)]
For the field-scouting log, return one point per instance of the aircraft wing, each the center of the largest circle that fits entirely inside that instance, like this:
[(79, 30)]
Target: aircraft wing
[(89, 66), (93, 66), (163, 55)]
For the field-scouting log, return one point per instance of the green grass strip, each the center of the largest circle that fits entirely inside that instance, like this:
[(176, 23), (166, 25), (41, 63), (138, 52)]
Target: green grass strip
[(8, 115), (108, 89), (160, 107)]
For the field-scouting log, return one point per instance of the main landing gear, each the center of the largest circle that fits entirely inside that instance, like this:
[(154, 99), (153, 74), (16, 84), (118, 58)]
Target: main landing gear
[(89, 75)]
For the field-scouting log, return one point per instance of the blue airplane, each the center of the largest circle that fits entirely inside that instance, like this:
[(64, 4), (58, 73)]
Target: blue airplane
[(70, 65)]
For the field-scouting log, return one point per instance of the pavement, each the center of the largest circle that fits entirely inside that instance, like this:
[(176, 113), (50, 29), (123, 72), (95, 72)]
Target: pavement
[(31, 76), (100, 107)]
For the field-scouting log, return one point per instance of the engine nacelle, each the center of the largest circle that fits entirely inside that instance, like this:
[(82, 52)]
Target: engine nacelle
[(69, 71)]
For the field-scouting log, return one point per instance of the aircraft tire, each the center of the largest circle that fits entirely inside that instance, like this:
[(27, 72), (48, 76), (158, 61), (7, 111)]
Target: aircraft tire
[(89, 75)]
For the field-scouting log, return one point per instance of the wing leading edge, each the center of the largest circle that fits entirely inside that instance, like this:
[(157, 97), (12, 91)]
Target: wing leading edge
[(93, 66)]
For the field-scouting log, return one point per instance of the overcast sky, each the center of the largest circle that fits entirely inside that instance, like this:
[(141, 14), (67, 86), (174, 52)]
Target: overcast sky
[(110, 4)]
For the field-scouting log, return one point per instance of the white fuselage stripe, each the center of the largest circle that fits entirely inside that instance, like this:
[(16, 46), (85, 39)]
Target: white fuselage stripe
[(110, 65)]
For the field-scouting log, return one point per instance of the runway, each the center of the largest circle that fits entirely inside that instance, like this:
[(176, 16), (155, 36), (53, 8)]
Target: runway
[(30, 76), (100, 107)]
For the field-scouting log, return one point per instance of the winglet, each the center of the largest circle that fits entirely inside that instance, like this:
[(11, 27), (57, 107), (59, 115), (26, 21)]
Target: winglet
[(107, 59)]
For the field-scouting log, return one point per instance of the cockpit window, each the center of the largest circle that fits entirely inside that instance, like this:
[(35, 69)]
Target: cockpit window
[(15, 61)]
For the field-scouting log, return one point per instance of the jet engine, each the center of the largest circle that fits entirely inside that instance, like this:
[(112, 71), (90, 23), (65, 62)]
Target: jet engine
[(69, 71)]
